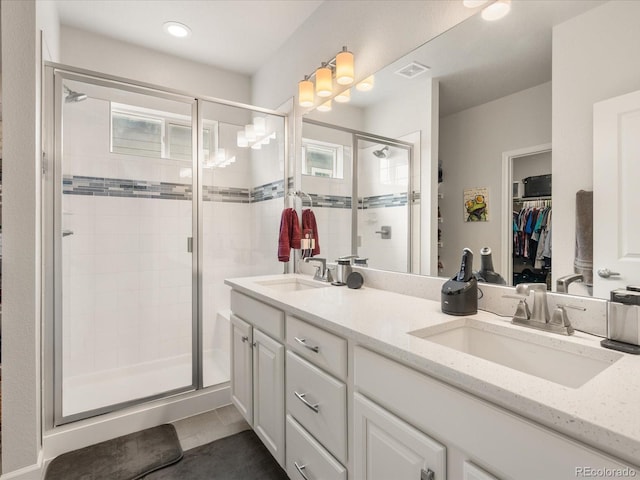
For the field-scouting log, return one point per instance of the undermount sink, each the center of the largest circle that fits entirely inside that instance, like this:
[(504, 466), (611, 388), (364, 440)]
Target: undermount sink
[(292, 284), (552, 358)]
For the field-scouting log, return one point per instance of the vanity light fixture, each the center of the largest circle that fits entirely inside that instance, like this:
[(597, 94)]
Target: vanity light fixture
[(250, 132), (305, 92), (177, 29), (341, 66), (366, 84), (325, 107), (324, 81), (242, 140), (344, 67), (343, 97), (496, 10)]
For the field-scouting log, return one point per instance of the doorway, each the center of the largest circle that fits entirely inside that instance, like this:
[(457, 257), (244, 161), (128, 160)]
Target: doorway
[(527, 214)]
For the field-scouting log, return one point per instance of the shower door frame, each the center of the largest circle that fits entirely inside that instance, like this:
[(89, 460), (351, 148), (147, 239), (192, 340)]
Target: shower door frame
[(358, 135), (52, 102)]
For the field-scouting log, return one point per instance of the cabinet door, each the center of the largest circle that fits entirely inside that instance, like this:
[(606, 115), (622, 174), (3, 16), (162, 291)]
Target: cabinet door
[(386, 447), (242, 367), (268, 393)]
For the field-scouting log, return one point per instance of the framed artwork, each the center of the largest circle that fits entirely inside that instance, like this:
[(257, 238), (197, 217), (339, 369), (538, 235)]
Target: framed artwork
[(476, 204)]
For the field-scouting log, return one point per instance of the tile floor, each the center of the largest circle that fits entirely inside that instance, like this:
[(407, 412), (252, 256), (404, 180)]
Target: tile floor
[(209, 426)]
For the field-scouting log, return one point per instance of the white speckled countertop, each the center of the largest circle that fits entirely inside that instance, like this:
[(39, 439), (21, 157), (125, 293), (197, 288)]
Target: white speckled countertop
[(604, 412)]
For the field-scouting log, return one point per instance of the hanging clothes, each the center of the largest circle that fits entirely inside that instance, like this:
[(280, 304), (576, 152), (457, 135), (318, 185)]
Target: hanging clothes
[(532, 233)]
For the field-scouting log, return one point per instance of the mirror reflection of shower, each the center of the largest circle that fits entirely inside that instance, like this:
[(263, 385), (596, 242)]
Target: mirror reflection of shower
[(382, 153), (72, 96)]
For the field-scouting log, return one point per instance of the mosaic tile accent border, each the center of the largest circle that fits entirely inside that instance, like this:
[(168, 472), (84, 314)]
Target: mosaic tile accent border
[(115, 187), (268, 191), (118, 187), (383, 201)]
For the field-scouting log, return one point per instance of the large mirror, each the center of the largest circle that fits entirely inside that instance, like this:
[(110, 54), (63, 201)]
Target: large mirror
[(488, 114)]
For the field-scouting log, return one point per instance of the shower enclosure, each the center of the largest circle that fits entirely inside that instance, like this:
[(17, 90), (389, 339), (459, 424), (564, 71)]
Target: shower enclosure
[(362, 190), (152, 199)]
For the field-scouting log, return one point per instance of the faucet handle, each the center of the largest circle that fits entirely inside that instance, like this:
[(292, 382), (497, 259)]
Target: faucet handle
[(560, 317), (522, 310)]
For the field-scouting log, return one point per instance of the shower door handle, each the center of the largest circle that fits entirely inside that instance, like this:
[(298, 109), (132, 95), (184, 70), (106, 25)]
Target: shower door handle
[(190, 244)]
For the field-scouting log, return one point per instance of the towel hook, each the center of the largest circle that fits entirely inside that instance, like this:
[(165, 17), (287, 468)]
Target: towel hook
[(300, 193)]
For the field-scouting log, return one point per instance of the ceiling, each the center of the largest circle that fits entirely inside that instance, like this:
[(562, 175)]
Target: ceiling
[(237, 35), (479, 61)]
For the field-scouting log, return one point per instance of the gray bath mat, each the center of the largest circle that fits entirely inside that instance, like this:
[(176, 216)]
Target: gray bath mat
[(124, 458), (239, 457)]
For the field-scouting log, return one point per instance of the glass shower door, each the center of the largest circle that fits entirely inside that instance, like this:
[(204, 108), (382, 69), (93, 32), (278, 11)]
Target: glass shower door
[(124, 323), (383, 215)]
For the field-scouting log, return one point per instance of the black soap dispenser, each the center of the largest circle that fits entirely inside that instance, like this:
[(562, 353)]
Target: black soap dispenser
[(459, 295)]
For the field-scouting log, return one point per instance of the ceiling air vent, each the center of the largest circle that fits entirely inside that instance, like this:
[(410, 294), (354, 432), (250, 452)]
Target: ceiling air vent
[(412, 70)]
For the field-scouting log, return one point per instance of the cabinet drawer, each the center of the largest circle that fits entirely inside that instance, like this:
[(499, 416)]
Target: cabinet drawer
[(324, 349), (307, 459), (266, 318), (318, 401)]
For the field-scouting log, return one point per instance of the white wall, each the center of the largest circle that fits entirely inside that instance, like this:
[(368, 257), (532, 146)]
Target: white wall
[(594, 58), (471, 146), (365, 27), (21, 82), (83, 49)]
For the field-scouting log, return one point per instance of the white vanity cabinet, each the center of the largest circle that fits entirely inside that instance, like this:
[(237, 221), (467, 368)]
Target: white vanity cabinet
[(386, 447), (507, 445), (257, 369), (316, 398)]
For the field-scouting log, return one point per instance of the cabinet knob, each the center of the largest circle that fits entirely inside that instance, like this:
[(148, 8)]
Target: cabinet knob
[(245, 339)]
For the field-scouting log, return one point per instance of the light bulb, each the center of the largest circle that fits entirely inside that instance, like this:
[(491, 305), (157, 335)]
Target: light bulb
[(344, 67), (305, 93), (324, 81)]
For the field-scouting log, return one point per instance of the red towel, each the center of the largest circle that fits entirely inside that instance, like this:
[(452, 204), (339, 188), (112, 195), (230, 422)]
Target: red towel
[(289, 236), (309, 222)]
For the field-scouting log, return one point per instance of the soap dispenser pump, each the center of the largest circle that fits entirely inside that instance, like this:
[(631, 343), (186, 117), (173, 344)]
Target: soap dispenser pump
[(459, 296)]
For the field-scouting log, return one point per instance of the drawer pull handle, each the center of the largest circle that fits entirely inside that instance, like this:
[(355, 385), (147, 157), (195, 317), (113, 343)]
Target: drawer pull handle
[(427, 474), (301, 396), (245, 339), (300, 469), (303, 342)]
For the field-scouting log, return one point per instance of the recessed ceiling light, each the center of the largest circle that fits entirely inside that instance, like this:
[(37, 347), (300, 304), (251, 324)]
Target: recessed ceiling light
[(177, 29), (496, 10), (474, 3)]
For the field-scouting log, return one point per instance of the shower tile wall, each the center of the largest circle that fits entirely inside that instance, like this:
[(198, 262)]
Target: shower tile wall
[(127, 261)]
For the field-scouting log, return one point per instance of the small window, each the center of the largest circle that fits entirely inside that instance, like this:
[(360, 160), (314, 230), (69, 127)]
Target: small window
[(149, 133), (136, 135), (321, 159)]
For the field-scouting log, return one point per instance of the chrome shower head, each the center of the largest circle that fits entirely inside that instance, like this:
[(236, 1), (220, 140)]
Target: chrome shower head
[(73, 97), (382, 153)]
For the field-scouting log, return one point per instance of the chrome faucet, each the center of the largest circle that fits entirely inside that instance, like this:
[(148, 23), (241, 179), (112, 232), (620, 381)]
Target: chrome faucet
[(562, 283), (538, 317), (322, 272)]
